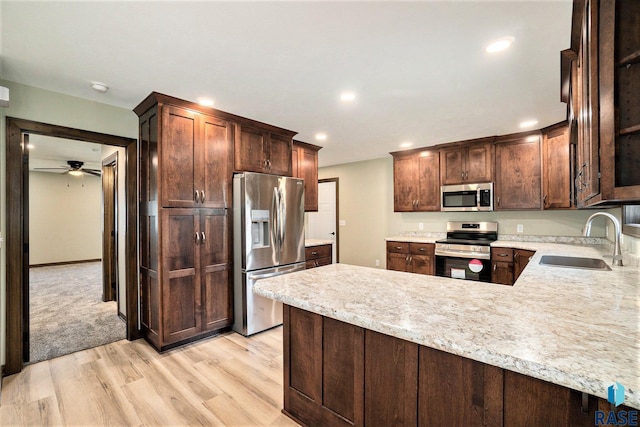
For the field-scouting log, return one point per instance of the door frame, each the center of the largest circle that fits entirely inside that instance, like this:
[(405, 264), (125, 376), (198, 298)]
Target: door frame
[(17, 206), (336, 180), (110, 245)]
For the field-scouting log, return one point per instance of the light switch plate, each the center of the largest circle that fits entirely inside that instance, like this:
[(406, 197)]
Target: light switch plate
[(342, 222), (420, 226), (520, 228)]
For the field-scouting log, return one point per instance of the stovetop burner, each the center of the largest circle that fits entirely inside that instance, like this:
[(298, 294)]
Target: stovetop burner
[(470, 233)]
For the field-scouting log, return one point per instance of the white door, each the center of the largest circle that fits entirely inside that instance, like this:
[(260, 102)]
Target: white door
[(322, 224)]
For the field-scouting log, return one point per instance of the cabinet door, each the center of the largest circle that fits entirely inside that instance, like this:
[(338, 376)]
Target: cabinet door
[(429, 181), (479, 164), (180, 275), (215, 269), (557, 169), (279, 156), (398, 262), (521, 258), (305, 165), (502, 273), (405, 185), (250, 149), (213, 163), (422, 264), (452, 165), (177, 165), (518, 182)]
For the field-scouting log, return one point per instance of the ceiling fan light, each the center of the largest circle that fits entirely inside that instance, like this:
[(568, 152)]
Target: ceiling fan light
[(75, 173)]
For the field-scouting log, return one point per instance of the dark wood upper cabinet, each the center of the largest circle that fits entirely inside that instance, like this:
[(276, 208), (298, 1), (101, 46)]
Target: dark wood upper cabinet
[(194, 165), (518, 183), (305, 165), (259, 150), (470, 162), (604, 103), (557, 161), (415, 180)]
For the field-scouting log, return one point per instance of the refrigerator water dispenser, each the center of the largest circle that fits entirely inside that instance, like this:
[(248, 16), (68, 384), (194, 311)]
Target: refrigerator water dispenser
[(260, 228)]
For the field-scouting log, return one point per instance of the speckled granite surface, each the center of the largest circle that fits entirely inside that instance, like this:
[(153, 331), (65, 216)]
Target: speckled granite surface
[(576, 328), (317, 242)]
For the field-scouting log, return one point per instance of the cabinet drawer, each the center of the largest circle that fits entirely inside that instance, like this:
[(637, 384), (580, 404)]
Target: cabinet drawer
[(319, 262), (422, 248), (502, 254), (315, 252), (398, 247)]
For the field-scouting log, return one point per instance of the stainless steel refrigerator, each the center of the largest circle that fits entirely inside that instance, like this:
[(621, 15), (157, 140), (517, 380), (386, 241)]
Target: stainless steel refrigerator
[(268, 240)]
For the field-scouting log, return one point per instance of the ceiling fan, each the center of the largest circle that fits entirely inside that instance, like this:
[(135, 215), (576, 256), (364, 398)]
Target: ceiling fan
[(74, 168)]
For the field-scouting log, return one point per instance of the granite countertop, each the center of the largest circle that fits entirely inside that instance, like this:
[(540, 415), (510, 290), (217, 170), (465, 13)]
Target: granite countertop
[(317, 242), (576, 328)]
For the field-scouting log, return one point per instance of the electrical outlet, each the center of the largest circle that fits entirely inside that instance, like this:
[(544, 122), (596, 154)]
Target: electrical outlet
[(377, 263), (420, 226), (520, 228)]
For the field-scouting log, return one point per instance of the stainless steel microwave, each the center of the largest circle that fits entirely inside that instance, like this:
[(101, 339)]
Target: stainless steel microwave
[(466, 197)]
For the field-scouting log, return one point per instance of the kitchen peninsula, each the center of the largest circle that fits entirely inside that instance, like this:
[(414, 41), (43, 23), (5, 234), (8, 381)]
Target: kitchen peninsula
[(365, 344)]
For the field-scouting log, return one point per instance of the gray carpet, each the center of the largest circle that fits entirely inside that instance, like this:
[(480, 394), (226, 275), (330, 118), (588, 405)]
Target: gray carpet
[(67, 313)]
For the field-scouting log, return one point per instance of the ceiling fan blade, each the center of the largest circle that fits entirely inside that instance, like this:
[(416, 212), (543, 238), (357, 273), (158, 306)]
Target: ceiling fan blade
[(91, 172), (51, 169)]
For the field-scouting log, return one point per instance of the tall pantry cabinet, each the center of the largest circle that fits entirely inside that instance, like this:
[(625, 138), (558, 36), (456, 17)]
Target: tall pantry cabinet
[(185, 219)]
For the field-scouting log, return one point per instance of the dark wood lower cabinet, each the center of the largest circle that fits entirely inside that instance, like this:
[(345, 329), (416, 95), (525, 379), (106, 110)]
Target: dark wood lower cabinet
[(390, 380), (457, 391), (337, 374)]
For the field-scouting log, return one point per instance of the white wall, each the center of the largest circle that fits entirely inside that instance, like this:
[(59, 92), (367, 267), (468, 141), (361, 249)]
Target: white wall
[(65, 218), (366, 204), (28, 102)]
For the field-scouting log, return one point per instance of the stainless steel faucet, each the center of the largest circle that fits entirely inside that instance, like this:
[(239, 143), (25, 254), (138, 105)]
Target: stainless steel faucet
[(617, 253)]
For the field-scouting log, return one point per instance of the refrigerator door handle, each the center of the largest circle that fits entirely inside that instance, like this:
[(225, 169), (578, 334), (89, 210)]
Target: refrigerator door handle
[(283, 220), (275, 208)]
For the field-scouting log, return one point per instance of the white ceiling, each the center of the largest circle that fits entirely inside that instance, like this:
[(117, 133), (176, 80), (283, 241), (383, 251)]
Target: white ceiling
[(418, 68)]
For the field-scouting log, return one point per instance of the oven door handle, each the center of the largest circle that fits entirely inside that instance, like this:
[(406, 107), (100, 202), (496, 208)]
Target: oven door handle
[(456, 254)]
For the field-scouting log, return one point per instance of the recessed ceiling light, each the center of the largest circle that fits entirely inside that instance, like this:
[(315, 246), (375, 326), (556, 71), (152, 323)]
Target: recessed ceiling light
[(528, 123), (406, 144), (499, 45), (320, 136), (206, 102), (347, 96), (99, 87)]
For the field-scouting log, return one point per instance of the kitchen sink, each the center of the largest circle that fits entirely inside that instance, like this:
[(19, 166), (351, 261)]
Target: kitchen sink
[(574, 262)]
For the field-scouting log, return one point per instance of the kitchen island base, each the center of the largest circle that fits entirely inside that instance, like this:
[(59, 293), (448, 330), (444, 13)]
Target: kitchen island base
[(338, 374)]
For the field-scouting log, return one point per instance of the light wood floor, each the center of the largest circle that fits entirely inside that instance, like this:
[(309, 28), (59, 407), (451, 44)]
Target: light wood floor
[(226, 380)]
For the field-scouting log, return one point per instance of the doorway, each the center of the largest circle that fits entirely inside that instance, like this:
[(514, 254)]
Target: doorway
[(17, 326), (323, 224)]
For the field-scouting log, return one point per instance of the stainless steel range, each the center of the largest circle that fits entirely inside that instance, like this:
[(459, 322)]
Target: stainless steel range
[(465, 253)]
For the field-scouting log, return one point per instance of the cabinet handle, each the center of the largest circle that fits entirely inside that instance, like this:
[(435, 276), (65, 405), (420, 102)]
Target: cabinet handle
[(314, 253), (503, 255), (462, 175), (398, 247), (515, 256), (197, 196), (316, 264), (203, 237), (202, 196), (494, 267), (422, 249), (498, 201), (544, 200), (197, 237), (407, 259)]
